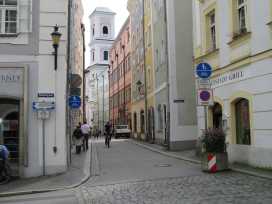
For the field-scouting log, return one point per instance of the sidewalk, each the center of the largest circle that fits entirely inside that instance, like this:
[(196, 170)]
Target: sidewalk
[(190, 156), (78, 173)]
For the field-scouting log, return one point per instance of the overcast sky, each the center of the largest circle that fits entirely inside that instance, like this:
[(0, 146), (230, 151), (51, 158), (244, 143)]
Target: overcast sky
[(118, 6)]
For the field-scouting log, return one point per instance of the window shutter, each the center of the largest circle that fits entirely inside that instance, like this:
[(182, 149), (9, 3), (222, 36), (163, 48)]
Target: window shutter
[(25, 16)]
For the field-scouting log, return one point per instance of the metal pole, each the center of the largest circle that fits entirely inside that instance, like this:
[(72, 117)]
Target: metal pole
[(43, 135), (205, 115), (103, 108)]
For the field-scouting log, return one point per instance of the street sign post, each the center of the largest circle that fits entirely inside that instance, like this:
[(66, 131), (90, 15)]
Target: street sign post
[(205, 93), (74, 102)]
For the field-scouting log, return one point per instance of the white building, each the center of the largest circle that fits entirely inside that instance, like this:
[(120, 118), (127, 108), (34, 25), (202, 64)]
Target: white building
[(102, 37), (181, 109), (27, 70), (235, 38)]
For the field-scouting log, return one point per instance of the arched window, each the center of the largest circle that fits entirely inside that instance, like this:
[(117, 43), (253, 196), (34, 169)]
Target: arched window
[(242, 122), (142, 117), (135, 122), (105, 30), (106, 55)]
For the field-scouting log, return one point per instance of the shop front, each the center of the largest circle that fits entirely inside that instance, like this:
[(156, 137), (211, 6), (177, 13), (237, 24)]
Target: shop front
[(12, 113)]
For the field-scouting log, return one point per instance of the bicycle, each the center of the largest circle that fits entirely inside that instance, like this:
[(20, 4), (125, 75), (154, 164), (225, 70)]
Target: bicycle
[(5, 171), (107, 140)]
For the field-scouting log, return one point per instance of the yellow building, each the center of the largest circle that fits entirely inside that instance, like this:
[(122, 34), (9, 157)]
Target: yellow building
[(142, 69)]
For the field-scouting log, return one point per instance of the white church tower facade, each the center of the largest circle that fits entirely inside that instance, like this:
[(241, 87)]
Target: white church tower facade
[(102, 22)]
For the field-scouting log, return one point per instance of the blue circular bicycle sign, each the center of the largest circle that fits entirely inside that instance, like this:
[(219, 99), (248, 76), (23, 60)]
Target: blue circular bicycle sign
[(74, 102), (204, 70)]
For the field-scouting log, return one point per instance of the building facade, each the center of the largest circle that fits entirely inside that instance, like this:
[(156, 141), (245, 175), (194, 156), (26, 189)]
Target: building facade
[(159, 38), (149, 69), (120, 78), (138, 88), (102, 37), (27, 74), (235, 38), (76, 60)]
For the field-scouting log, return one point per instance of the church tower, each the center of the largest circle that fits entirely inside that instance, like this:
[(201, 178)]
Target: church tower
[(102, 22)]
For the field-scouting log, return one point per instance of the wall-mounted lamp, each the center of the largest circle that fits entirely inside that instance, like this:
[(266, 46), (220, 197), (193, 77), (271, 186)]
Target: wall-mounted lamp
[(56, 39)]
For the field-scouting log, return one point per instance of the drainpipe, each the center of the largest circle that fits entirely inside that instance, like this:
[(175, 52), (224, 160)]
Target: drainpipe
[(68, 81), (167, 77), (83, 74)]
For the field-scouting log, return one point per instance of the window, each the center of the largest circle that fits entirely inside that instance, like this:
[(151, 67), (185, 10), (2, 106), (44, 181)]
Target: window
[(142, 117), (211, 38), (8, 16), (93, 30), (242, 122), (241, 11), (105, 30), (106, 55), (93, 55)]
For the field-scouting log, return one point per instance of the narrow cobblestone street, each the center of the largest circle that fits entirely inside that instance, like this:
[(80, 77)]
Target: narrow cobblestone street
[(130, 174)]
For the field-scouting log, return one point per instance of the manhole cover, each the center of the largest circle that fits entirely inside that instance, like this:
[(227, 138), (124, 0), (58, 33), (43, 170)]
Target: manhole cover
[(163, 165)]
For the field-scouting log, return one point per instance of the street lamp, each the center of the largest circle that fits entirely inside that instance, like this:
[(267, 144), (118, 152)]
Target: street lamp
[(56, 39)]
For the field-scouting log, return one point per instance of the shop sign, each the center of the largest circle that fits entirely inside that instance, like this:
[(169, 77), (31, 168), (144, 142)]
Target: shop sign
[(228, 78), (11, 82)]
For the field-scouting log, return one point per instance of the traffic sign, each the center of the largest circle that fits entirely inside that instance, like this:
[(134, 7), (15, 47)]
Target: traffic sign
[(204, 83), (43, 105), (205, 97), (46, 95), (74, 102), (204, 70)]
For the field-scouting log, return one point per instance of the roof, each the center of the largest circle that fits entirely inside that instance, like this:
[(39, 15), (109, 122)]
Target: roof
[(102, 10)]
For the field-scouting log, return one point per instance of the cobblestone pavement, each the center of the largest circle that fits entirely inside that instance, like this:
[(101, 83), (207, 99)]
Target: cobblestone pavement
[(206, 189), (129, 174), (179, 183)]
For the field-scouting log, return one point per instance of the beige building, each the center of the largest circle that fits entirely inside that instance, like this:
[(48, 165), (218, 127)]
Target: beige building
[(234, 37)]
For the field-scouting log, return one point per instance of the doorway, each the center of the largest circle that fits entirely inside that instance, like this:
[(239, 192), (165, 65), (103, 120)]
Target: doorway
[(10, 130)]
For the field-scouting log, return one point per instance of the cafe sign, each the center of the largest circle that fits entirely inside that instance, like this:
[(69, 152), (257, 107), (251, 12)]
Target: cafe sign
[(11, 82), (227, 78)]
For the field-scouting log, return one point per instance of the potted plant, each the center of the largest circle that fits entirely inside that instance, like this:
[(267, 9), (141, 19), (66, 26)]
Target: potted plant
[(214, 153)]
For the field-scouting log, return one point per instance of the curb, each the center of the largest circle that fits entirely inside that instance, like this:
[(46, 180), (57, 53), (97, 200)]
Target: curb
[(167, 154), (28, 192), (198, 162)]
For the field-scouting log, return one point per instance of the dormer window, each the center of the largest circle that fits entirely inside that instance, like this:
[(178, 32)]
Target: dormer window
[(105, 30)]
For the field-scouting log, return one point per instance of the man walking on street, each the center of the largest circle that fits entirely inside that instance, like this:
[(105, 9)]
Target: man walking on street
[(85, 128)]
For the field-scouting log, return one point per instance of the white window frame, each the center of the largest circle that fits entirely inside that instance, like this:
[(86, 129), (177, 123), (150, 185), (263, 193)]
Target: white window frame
[(3, 21), (212, 29), (241, 21)]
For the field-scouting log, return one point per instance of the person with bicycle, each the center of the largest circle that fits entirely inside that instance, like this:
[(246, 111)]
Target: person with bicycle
[(5, 172), (108, 130)]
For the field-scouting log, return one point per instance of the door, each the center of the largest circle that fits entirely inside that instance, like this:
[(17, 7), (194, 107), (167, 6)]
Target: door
[(9, 130)]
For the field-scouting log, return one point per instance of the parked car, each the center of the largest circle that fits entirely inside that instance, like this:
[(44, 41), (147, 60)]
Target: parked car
[(122, 131)]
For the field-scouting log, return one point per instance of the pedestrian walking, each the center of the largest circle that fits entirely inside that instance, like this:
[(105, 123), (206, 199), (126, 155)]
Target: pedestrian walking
[(108, 130), (78, 138), (85, 128)]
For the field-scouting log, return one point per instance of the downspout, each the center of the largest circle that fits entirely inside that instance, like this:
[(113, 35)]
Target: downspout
[(167, 77), (83, 74), (68, 117)]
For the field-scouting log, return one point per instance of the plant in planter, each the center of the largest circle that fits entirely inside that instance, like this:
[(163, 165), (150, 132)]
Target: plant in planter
[(214, 154)]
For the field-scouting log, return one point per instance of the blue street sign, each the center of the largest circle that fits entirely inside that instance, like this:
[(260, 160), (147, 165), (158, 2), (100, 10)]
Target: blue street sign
[(43, 105), (204, 70), (74, 102)]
